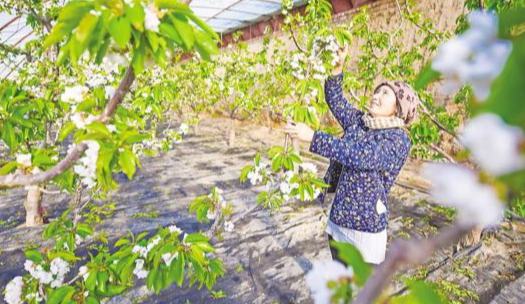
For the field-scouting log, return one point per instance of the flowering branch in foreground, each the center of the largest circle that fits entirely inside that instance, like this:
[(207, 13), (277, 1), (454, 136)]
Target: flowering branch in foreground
[(405, 253), (18, 179)]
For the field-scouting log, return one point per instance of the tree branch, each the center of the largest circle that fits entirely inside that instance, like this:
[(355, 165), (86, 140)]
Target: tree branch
[(19, 179), (407, 252)]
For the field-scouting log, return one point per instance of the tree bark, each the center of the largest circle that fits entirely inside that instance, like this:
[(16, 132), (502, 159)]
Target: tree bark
[(231, 133), (33, 206)]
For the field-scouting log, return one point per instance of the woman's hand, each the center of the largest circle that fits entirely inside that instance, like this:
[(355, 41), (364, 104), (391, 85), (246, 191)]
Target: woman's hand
[(299, 131), (342, 53)]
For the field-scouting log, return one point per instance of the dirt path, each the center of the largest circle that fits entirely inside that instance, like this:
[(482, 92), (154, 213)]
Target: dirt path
[(268, 254)]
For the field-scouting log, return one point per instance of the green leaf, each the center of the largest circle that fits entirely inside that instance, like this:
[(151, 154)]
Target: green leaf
[(184, 29), (424, 293), (84, 230), (138, 58), (61, 295), (504, 98), (203, 25), (66, 130), (510, 21), (102, 279), (136, 15), (168, 31), (120, 30), (244, 173), (99, 128), (121, 242), (68, 19), (352, 256), (8, 168), (34, 255), (8, 135), (170, 4), (153, 40), (425, 77), (151, 278), (85, 28), (91, 280), (92, 300), (204, 45), (177, 269), (126, 160)]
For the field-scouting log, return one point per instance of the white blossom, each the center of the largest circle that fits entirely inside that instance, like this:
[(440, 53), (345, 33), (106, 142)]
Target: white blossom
[(211, 214), (112, 128), (228, 226), (321, 274), (86, 167), (175, 229), (109, 91), (309, 167), (74, 94), (24, 159), (183, 129), (13, 291), (81, 120), (457, 186), (475, 57), (153, 242), (139, 270), (285, 188), (84, 272), (494, 145), (168, 257), (141, 250), (151, 21), (38, 272), (59, 268), (255, 177)]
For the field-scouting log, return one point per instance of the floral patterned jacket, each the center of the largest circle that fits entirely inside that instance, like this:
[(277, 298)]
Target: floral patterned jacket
[(370, 160)]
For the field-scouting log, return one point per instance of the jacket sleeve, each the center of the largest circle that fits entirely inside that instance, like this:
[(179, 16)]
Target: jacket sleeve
[(368, 154), (343, 111)]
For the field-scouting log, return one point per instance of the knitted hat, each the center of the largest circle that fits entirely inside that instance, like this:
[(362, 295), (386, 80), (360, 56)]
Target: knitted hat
[(407, 100)]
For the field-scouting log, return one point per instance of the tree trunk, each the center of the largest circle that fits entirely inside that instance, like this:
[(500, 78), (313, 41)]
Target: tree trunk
[(33, 205), (469, 239), (231, 133)]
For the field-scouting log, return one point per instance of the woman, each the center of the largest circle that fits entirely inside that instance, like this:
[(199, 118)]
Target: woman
[(363, 163)]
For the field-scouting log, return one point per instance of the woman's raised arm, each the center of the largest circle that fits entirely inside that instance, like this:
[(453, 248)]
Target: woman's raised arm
[(342, 110)]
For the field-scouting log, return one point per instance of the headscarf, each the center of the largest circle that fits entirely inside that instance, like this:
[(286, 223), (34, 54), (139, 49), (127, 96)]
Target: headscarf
[(407, 100)]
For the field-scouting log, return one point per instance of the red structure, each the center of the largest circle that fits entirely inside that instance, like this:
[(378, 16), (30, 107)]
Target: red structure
[(257, 29)]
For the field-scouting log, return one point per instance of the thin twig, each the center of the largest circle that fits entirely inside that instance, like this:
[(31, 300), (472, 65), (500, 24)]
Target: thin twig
[(442, 152)]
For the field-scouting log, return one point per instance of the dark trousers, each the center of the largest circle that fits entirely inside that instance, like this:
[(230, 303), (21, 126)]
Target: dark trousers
[(335, 254)]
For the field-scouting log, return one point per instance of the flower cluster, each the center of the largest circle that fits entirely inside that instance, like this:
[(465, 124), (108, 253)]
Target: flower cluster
[(87, 165), (24, 159), (459, 187), (13, 291), (55, 276), (476, 57), (139, 270), (493, 144), (218, 203), (256, 176), (74, 94)]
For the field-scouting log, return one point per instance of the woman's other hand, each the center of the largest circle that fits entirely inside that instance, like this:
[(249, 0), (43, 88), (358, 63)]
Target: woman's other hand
[(342, 53), (299, 131)]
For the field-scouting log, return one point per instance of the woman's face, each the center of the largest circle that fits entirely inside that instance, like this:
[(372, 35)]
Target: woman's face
[(383, 102)]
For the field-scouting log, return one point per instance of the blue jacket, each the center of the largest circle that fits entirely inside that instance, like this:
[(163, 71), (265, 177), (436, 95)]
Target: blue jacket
[(371, 160)]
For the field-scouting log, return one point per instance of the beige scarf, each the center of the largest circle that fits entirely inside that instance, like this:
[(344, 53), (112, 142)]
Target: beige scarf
[(382, 122)]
